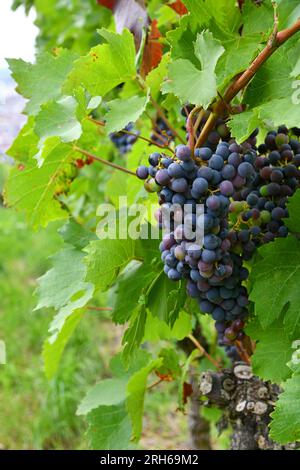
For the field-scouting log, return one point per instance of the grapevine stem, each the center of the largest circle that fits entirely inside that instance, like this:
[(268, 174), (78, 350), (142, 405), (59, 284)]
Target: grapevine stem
[(242, 352), (203, 351), (138, 136), (99, 309), (190, 128), (155, 384), (95, 121), (101, 160), (165, 119), (206, 129), (274, 42), (148, 140)]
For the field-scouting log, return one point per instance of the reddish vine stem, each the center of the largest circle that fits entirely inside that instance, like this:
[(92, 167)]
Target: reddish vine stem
[(155, 384), (276, 40), (96, 121), (105, 162), (166, 120), (203, 351), (161, 146), (190, 128)]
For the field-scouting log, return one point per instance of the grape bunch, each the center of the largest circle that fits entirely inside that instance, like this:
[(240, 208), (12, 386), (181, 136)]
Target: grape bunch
[(123, 141), (237, 195)]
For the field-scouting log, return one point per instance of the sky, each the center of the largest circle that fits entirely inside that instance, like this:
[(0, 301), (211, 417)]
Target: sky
[(17, 34)]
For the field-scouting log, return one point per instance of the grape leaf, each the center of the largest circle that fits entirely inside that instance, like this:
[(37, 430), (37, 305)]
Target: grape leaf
[(130, 286), (189, 83), (42, 81), (179, 7), (156, 329), (25, 145), (273, 80), (153, 50), (293, 221), (102, 267), (58, 118), (105, 66), (33, 189), (164, 299), (76, 234), (271, 297), (123, 111), (53, 347), (109, 428), (108, 392), (285, 425), (243, 124), (157, 75), (134, 334), (136, 389), (272, 352), (63, 280)]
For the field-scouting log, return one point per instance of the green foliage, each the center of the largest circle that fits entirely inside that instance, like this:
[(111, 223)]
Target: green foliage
[(189, 83), (272, 297), (286, 419)]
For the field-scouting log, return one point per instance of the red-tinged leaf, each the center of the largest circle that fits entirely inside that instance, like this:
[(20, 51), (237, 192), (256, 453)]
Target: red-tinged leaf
[(131, 14), (187, 391), (179, 7), (153, 50), (107, 3)]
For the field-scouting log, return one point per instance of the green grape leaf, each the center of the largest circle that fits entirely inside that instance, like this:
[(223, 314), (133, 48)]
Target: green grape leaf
[(123, 111), (76, 235), (272, 352), (293, 221), (285, 425), (189, 83), (164, 299), (184, 373), (156, 329), (108, 392), (239, 52), (42, 81), (157, 75), (134, 334), (109, 428), (171, 363), (33, 189), (243, 124), (53, 348), (136, 389), (103, 267), (273, 80), (25, 145), (281, 110), (130, 286), (63, 280), (105, 66), (280, 262), (258, 20), (58, 118)]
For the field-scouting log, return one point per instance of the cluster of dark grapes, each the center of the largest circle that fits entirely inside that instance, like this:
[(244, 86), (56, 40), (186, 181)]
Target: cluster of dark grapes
[(243, 190), (161, 134), (124, 141)]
